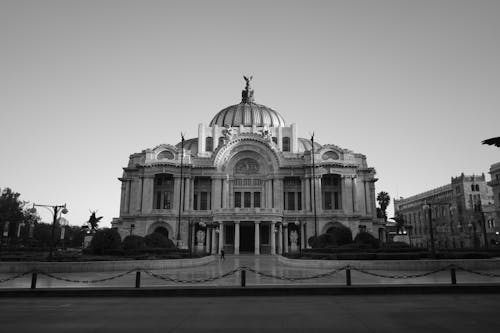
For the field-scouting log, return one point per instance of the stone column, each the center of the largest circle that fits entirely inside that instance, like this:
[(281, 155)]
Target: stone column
[(135, 195), (366, 193), (216, 191), (273, 238), (354, 194), (236, 237), (269, 194), (221, 236), (278, 193), (123, 200), (257, 237), (285, 239), (147, 194), (346, 194), (226, 194), (307, 194), (280, 239), (177, 186), (191, 191), (187, 193), (319, 197), (208, 241), (214, 241)]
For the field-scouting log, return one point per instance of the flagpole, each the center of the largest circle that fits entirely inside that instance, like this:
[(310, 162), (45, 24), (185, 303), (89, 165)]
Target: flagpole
[(180, 194)]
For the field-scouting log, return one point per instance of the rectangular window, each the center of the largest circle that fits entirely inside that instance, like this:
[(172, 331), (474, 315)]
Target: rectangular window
[(166, 200), (158, 200), (237, 199), (336, 200), (327, 200), (264, 233), (203, 200), (195, 201), (299, 200), (291, 201), (256, 199), (248, 199)]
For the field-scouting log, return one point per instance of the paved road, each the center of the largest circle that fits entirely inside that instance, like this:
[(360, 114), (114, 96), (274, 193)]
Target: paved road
[(266, 264), (399, 313)]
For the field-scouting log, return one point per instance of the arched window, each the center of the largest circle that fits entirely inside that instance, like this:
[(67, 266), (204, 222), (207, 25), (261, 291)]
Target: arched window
[(286, 143), (209, 143), (477, 187), (162, 231), (165, 155)]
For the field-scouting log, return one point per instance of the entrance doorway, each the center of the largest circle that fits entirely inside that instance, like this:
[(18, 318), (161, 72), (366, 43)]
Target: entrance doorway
[(247, 237)]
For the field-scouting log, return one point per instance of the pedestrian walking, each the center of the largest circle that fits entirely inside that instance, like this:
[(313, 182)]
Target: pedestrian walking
[(222, 255)]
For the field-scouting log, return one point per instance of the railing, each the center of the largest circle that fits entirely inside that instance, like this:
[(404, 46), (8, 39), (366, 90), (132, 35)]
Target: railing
[(242, 270)]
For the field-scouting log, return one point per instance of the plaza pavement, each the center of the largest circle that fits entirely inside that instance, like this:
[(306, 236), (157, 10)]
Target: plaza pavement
[(269, 265), (383, 313)]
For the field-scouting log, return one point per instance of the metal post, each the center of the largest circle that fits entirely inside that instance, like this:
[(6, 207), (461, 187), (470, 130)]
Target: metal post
[(348, 276), (33, 280), (180, 193), (453, 274), (52, 232), (314, 189), (243, 278), (138, 279)]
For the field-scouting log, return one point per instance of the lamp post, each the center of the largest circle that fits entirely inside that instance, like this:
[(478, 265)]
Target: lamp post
[(131, 229), (314, 188), (56, 210), (181, 185)]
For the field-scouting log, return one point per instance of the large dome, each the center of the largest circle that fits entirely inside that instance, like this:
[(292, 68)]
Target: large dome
[(248, 113)]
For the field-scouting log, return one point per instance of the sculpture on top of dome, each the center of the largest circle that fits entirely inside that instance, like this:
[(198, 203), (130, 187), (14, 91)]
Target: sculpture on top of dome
[(247, 94)]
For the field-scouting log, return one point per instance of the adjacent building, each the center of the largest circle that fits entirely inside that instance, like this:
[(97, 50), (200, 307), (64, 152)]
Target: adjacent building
[(459, 211), (246, 183)]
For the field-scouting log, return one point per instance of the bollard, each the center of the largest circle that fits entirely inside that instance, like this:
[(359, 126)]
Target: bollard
[(348, 276), (33, 280), (138, 279), (243, 278), (453, 274)]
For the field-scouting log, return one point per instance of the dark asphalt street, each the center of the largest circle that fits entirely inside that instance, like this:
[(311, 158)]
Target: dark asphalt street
[(395, 313)]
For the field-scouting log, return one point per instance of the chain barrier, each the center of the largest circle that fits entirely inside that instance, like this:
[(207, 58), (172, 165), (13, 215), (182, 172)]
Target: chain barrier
[(86, 281), (166, 277), (299, 278), (209, 279), (10, 278), (402, 276), (478, 273)]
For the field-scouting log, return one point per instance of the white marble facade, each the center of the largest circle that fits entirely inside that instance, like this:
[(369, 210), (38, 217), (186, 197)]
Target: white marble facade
[(247, 183)]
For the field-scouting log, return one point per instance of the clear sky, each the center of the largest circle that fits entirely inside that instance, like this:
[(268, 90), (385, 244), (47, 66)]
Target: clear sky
[(414, 85)]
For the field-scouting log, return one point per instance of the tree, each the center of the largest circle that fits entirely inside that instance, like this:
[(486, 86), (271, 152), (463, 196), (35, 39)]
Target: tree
[(13, 212), (383, 200)]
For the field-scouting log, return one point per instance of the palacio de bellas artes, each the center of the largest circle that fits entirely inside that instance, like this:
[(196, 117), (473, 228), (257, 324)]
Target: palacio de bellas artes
[(246, 184)]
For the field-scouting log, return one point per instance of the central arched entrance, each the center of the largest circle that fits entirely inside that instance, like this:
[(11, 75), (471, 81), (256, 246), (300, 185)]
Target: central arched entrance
[(247, 237)]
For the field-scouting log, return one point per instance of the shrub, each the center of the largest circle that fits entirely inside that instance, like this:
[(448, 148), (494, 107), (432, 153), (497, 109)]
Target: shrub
[(157, 240), (105, 239), (133, 242), (365, 238), (339, 234), (398, 256), (396, 245)]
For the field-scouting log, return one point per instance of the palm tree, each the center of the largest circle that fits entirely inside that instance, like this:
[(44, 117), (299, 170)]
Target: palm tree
[(383, 200)]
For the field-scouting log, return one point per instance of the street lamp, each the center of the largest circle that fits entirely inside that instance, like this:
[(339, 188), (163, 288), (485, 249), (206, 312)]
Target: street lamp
[(132, 227), (56, 210)]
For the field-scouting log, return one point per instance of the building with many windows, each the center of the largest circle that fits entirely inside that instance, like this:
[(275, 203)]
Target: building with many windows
[(457, 210), (246, 184)]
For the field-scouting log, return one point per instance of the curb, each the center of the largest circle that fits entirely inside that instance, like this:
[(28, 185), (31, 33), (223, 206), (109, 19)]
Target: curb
[(254, 291)]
